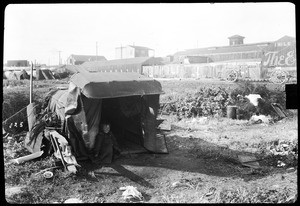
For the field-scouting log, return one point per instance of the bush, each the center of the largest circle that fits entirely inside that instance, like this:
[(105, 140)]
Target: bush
[(205, 101), (213, 101)]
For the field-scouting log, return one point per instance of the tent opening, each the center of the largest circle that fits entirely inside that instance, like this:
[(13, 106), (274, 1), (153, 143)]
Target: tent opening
[(124, 115)]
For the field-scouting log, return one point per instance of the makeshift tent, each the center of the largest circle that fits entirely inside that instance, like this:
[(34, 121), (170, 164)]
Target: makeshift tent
[(39, 74), (128, 101), (64, 71), (22, 75), (42, 74), (10, 75), (47, 74)]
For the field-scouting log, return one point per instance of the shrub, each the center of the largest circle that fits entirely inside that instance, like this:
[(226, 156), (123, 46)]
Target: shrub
[(213, 101), (205, 101)]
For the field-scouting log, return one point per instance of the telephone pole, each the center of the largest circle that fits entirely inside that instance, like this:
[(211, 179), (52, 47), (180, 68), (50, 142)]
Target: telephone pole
[(59, 57)]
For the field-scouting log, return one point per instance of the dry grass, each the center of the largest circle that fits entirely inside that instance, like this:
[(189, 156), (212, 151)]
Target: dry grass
[(217, 138)]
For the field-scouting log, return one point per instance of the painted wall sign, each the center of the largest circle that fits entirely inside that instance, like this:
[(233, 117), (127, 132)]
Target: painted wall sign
[(285, 57), (274, 59)]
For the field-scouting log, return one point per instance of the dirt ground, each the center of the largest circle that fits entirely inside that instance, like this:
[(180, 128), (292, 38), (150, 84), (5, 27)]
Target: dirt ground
[(201, 166)]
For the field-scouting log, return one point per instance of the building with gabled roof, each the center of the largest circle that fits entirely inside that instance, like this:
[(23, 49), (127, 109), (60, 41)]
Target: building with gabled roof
[(80, 59), (236, 40), (131, 51), (235, 50), (121, 65)]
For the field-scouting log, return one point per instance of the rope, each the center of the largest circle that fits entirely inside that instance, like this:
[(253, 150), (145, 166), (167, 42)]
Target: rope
[(60, 103), (14, 115)]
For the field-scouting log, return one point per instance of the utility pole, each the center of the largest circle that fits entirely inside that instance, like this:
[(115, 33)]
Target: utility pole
[(31, 84), (59, 57)]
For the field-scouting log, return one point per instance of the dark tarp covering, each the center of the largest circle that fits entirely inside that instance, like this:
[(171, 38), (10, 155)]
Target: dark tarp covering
[(42, 74), (115, 84), (132, 116), (47, 74), (39, 74), (22, 75)]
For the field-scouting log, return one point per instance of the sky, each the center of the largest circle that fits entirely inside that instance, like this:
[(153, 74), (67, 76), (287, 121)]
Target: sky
[(43, 32)]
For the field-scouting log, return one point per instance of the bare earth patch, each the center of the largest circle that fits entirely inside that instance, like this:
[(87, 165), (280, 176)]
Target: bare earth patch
[(201, 166)]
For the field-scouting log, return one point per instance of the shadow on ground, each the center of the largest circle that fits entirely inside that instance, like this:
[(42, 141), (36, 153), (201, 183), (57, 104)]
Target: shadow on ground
[(192, 155)]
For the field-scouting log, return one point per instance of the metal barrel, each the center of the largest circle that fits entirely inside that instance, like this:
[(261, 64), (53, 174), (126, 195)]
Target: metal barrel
[(232, 112)]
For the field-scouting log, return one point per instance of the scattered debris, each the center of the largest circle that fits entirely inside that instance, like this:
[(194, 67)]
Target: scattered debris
[(13, 190), (73, 200), (280, 164), (48, 174), (44, 170), (279, 110), (200, 120), (248, 161), (131, 193), (211, 191), (280, 149), (180, 184), (164, 125), (291, 169), (28, 157), (92, 174), (63, 151), (253, 98), (257, 119)]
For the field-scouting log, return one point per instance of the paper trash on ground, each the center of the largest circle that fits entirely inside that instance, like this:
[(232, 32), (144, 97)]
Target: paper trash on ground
[(131, 193)]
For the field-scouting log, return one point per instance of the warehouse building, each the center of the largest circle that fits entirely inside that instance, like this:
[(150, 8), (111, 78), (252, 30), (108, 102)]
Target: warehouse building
[(252, 61), (131, 51), (122, 65), (80, 59)]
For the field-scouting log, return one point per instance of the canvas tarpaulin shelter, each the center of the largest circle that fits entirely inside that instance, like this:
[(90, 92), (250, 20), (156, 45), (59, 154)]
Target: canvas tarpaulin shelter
[(22, 75), (128, 101), (42, 74), (47, 74), (10, 75)]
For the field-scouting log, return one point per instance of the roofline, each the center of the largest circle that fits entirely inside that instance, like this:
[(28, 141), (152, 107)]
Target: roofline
[(141, 46), (235, 36), (86, 55), (229, 46)]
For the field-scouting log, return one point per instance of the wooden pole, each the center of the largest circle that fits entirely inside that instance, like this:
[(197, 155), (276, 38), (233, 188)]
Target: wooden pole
[(31, 111), (31, 84)]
